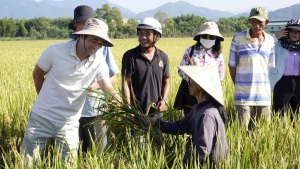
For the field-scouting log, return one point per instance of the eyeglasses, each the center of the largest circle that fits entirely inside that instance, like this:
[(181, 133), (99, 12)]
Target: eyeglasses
[(294, 31), (88, 61), (210, 37)]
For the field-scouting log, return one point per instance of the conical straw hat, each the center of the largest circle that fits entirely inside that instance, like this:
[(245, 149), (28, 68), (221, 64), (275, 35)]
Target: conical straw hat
[(207, 77)]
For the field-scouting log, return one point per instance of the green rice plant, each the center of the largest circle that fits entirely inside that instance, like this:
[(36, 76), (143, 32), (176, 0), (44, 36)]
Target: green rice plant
[(270, 145)]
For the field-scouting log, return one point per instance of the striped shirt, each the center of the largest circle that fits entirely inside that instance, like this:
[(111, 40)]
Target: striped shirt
[(252, 85)]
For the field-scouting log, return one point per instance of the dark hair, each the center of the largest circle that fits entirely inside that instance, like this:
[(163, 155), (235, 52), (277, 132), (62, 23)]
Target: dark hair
[(222, 111), (220, 107), (216, 48)]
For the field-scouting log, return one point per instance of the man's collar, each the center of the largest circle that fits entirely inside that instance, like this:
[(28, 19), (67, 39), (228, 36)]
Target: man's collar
[(248, 34)]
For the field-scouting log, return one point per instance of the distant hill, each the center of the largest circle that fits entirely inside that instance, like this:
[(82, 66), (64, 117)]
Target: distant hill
[(24, 9), (292, 12), (181, 7)]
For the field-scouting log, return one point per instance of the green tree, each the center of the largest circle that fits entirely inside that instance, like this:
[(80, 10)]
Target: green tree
[(130, 27), (112, 17), (169, 28), (8, 27), (22, 31), (188, 25), (161, 16)]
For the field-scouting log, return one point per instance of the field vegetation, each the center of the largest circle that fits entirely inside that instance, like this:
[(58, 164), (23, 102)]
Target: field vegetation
[(273, 145)]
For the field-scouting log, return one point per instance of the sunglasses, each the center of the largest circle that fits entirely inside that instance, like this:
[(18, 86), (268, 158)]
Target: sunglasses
[(210, 37)]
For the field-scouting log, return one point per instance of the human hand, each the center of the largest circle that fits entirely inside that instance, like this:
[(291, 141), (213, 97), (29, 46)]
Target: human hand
[(151, 120), (161, 106), (281, 33), (116, 99)]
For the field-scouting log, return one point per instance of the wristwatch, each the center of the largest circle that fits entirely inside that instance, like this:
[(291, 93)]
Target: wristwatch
[(166, 101)]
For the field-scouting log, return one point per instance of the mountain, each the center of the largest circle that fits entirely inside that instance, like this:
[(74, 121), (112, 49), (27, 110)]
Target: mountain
[(24, 9), (181, 7), (292, 12)]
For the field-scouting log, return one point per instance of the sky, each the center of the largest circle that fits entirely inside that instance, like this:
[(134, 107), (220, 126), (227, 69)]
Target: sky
[(233, 6)]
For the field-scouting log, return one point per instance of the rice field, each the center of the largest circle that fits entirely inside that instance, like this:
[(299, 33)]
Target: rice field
[(273, 145)]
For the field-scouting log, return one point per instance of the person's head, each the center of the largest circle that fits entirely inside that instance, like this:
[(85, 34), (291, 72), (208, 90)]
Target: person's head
[(209, 37), (149, 31), (258, 20), (94, 35), (204, 78), (204, 81), (81, 14), (293, 26)]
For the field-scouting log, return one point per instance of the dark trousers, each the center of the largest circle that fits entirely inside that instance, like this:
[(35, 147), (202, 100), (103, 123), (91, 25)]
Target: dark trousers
[(86, 132), (286, 95)]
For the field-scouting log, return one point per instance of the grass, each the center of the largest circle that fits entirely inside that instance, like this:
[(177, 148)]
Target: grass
[(270, 145)]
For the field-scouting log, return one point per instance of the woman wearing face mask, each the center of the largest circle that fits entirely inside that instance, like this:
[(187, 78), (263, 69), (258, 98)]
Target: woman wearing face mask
[(206, 51)]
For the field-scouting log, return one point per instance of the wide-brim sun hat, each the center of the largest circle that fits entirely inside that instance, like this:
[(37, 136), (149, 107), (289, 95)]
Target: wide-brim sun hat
[(207, 77), (97, 28), (81, 13), (209, 28), (293, 24)]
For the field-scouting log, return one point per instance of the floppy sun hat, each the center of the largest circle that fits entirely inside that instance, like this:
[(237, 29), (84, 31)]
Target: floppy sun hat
[(81, 13), (209, 28), (207, 77), (97, 28), (293, 24), (259, 13)]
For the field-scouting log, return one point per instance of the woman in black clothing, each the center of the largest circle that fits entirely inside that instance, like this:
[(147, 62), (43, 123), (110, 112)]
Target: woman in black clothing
[(205, 121)]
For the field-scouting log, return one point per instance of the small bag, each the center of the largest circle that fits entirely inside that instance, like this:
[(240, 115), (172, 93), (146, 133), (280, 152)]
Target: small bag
[(183, 99)]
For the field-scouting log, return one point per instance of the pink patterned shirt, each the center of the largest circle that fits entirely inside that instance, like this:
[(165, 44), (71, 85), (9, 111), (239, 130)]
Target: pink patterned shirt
[(202, 57)]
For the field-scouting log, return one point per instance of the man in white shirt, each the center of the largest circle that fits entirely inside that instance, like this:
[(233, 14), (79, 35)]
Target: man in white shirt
[(62, 74)]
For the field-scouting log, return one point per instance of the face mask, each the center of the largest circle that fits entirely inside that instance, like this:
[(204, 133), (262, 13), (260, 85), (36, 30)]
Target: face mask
[(207, 43)]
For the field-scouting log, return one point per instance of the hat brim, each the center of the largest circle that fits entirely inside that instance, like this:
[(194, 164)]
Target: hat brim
[(82, 18), (107, 42), (207, 77), (293, 27), (258, 18)]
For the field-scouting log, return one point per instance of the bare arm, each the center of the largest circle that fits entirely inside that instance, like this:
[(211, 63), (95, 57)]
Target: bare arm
[(113, 79), (96, 85), (232, 71), (38, 77), (106, 86), (165, 93), (126, 83)]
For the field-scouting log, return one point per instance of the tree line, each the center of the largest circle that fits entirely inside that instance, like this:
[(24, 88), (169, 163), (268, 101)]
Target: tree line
[(57, 28)]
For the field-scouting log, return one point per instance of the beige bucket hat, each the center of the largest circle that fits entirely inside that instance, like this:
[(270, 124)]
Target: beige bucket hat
[(97, 28), (207, 77), (210, 28)]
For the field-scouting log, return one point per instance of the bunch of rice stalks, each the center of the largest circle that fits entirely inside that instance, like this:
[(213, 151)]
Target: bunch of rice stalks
[(127, 119)]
